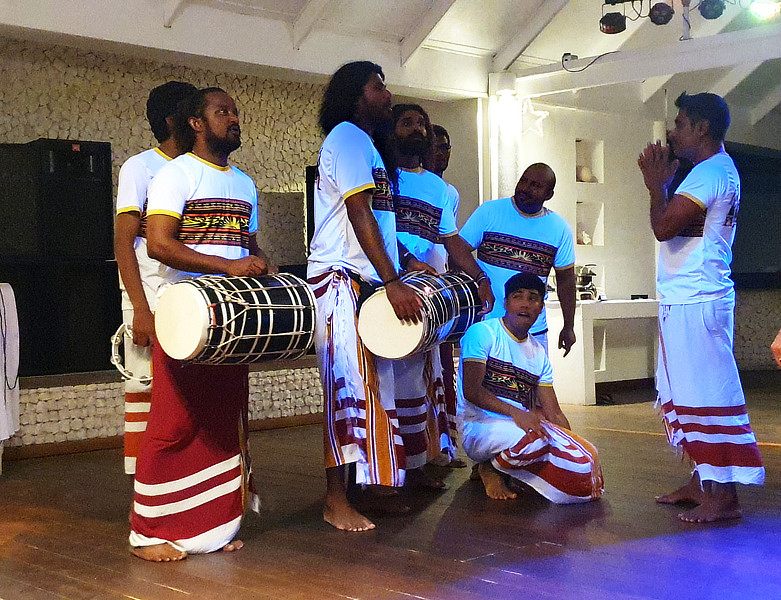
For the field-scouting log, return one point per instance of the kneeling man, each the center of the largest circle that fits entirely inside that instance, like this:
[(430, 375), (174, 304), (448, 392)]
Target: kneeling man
[(508, 413)]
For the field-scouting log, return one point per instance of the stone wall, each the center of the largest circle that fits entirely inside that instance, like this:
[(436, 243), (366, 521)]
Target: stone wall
[(757, 321), (84, 412), (51, 91)]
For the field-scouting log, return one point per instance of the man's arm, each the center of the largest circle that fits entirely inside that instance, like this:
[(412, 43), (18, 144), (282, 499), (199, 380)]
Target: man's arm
[(551, 410), (163, 244), (126, 228), (474, 392), (410, 263), (405, 302), (255, 250), (667, 218), (461, 254), (565, 290)]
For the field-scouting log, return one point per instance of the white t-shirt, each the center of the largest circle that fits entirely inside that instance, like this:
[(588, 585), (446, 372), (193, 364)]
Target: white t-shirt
[(513, 368), (134, 179), (348, 164), (423, 215), (217, 207), (694, 266), (508, 241)]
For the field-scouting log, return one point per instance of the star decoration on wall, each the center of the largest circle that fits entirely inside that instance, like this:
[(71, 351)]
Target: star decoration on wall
[(530, 115)]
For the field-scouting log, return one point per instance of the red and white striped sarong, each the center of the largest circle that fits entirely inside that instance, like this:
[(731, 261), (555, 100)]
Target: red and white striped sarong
[(138, 396), (360, 422), (564, 468), (421, 407), (700, 394), (193, 477)]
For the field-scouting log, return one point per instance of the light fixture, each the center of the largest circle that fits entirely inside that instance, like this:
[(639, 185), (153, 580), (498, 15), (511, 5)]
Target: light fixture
[(612, 22), (501, 84), (711, 9), (765, 10), (661, 13)]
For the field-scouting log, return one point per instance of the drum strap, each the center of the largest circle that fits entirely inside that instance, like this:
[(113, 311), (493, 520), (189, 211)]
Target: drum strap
[(365, 289)]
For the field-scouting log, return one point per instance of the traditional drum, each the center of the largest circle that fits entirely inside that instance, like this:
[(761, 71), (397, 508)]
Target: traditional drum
[(450, 306), (230, 320)]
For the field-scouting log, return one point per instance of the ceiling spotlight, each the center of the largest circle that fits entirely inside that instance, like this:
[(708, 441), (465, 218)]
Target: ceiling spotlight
[(711, 9), (661, 13), (612, 22), (765, 9)]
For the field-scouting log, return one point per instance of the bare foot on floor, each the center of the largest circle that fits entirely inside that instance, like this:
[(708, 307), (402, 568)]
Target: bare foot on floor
[(691, 492), (158, 553), (492, 480), (719, 503), (457, 463), (343, 516), (233, 546), (709, 514)]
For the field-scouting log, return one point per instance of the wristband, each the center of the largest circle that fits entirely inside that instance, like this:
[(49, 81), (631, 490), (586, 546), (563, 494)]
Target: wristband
[(404, 260), (391, 280), (481, 278)]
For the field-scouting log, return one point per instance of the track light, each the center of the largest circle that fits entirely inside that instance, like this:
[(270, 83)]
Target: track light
[(711, 9), (612, 22), (661, 13), (765, 9)]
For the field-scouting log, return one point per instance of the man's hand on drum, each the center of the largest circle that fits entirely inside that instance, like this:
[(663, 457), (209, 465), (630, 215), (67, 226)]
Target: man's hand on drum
[(143, 327), (486, 295), (405, 301), (249, 266), (418, 265)]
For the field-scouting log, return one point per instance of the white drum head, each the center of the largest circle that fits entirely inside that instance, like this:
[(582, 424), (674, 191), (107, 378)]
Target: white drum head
[(182, 321), (383, 333)]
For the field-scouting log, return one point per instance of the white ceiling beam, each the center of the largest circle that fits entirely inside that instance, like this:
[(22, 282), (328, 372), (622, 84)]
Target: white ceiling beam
[(705, 28), (415, 38), (649, 87), (515, 47), (764, 106), (732, 78), (306, 19), (723, 50), (171, 9)]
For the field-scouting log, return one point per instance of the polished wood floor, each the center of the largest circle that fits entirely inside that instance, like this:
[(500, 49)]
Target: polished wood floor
[(63, 526)]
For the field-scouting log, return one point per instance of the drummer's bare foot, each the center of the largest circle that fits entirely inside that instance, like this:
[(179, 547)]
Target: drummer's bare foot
[(423, 478), (719, 503), (494, 485), (691, 492), (233, 546), (158, 553), (338, 511)]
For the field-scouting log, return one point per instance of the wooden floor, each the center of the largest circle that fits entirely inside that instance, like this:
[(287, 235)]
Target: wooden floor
[(63, 529)]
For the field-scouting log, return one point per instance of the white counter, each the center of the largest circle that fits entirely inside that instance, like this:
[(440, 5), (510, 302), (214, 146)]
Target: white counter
[(616, 340)]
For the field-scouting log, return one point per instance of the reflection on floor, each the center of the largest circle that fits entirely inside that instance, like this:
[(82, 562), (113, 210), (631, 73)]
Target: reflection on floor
[(63, 526)]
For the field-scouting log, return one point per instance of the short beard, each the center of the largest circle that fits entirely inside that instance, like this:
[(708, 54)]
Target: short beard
[(412, 145), (222, 145)]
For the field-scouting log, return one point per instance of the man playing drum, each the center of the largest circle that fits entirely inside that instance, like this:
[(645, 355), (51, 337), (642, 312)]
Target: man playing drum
[(354, 244), (510, 419), (140, 275), (193, 474), (424, 220)]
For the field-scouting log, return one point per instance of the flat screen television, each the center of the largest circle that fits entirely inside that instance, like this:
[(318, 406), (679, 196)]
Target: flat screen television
[(756, 261)]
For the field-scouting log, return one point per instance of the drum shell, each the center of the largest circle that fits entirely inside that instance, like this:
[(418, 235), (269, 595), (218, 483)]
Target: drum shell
[(450, 305), (244, 319)]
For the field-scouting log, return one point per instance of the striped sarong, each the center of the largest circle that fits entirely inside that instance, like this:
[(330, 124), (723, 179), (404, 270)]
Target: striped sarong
[(138, 396), (700, 394), (564, 469), (421, 408), (193, 477), (360, 422)]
